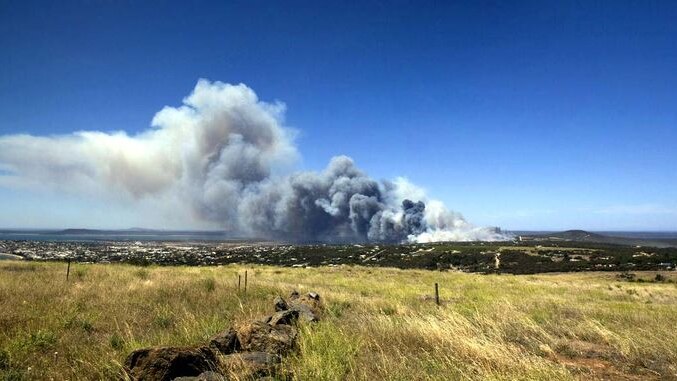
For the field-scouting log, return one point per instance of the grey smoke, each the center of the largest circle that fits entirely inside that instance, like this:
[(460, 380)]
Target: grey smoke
[(339, 203), (228, 156)]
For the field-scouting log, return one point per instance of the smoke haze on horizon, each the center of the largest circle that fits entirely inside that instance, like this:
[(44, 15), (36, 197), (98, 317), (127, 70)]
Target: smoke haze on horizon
[(229, 158)]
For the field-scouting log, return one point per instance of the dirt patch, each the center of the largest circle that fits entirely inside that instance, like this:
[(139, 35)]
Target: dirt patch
[(593, 361)]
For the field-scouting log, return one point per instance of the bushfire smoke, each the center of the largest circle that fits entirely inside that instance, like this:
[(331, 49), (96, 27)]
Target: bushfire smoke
[(228, 155)]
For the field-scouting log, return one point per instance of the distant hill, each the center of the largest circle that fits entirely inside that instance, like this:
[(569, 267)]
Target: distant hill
[(586, 236), (138, 232), (578, 235), (104, 232)]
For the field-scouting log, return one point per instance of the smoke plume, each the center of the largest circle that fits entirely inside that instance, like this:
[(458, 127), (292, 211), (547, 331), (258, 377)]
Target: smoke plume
[(228, 155)]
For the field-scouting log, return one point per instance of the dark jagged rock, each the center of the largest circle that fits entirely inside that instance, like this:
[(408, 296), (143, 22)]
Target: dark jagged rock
[(305, 312), (280, 304), (262, 337), (252, 351), (226, 342), (287, 317), (308, 306), (168, 363)]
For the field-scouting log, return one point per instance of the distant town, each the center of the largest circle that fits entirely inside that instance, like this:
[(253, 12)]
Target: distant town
[(560, 252)]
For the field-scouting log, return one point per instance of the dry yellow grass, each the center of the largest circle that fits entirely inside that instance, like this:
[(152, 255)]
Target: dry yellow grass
[(380, 323)]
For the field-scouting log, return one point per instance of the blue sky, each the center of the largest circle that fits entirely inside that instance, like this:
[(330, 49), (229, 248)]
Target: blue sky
[(525, 115)]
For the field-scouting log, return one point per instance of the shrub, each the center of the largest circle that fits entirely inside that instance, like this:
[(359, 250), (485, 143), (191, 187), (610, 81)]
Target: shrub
[(388, 310), (209, 284), (140, 261), (87, 326), (116, 341), (80, 273), (142, 274), (4, 360), (41, 340), (626, 275), (337, 308), (164, 319), (12, 375)]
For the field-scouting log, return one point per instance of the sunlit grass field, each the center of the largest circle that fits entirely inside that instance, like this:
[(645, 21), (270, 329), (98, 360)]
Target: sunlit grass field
[(380, 324)]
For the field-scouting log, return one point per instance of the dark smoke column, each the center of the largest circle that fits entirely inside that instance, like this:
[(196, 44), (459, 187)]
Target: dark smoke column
[(340, 203)]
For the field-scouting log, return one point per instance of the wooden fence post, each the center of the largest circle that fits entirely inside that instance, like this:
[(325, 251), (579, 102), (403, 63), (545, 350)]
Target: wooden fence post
[(245, 282), (437, 295), (68, 269), (239, 278)]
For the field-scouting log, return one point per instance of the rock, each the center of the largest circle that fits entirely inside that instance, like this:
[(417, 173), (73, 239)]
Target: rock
[(305, 312), (225, 342), (205, 376), (262, 342), (280, 304), (258, 336), (287, 317), (308, 306), (168, 363), (250, 365)]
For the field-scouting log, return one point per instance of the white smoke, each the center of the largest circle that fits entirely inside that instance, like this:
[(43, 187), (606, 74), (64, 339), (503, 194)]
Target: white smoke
[(228, 155)]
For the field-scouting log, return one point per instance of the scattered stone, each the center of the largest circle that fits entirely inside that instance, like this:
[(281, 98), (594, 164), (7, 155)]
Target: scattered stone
[(168, 363), (250, 365), (226, 342), (262, 337), (251, 351), (280, 304)]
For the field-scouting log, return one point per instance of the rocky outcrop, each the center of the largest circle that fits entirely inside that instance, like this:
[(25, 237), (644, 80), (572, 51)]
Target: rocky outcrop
[(258, 336), (280, 304), (250, 350), (168, 363), (226, 342), (287, 317)]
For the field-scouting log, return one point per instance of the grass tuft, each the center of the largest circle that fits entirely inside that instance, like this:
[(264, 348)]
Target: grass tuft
[(209, 284)]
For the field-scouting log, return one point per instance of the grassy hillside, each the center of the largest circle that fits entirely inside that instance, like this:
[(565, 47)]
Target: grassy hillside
[(381, 323)]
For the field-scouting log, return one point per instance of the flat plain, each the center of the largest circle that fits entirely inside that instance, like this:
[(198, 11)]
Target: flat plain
[(380, 323)]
